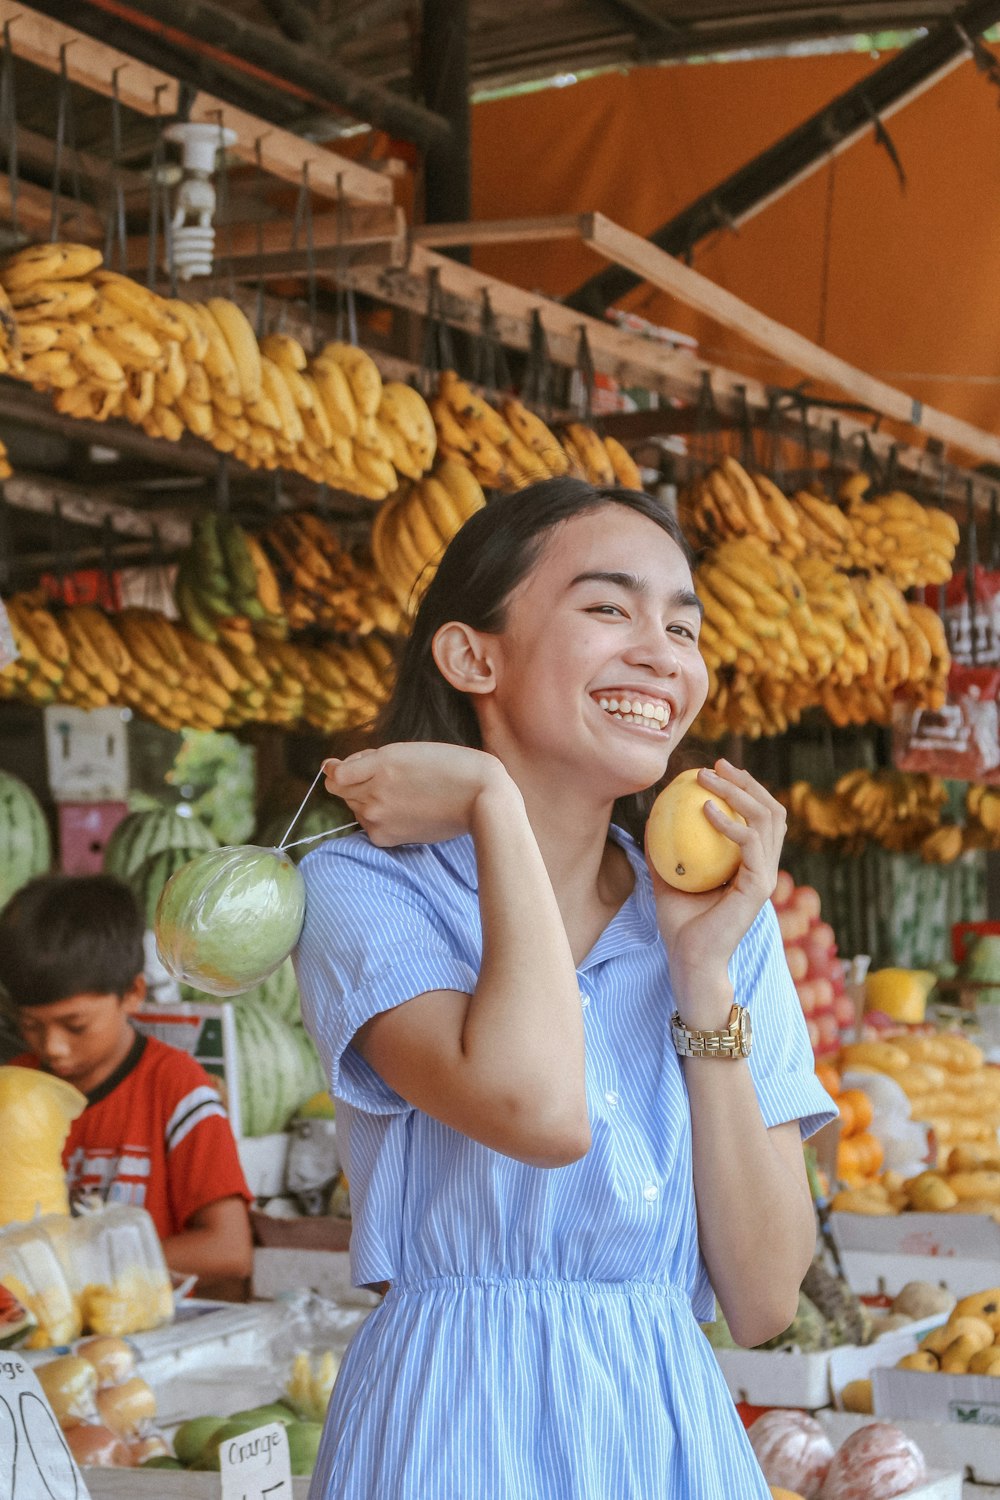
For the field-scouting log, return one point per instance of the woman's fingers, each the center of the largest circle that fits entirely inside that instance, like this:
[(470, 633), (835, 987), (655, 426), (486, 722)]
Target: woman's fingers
[(741, 791), (341, 775)]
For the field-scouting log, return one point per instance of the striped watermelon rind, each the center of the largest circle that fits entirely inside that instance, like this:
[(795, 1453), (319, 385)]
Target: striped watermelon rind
[(140, 835), (148, 880), (25, 842), (279, 1068), (326, 818)]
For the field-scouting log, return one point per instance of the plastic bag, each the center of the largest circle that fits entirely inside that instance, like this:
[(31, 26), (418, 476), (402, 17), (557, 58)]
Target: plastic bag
[(230, 917), (314, 1334)]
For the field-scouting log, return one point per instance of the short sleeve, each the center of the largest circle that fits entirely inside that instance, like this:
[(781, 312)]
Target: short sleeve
[(375, 935), (781, 1057)]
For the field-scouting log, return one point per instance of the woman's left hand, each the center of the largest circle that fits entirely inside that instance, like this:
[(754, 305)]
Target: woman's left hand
[(701, 931)]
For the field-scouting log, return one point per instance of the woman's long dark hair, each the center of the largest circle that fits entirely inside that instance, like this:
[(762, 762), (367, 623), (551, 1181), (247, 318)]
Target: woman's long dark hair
[(482, 566)]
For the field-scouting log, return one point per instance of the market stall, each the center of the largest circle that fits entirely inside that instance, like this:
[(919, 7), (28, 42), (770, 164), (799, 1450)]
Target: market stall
[(234, 458)]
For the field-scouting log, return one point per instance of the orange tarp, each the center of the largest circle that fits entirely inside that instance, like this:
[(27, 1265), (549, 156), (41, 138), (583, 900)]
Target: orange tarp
[(913, 286)]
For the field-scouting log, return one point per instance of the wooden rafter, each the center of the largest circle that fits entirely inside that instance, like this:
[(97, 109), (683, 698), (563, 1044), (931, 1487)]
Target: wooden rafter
[(40, 40)]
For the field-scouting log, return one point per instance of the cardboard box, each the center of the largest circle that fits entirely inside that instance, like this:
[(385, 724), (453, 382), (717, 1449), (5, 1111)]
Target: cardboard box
[(857, 1362), (973, 1451), (966, 1236), (783, 1377), (86, 752), (84, 830), (972, 1400), (208, 1034), (310, 1232)]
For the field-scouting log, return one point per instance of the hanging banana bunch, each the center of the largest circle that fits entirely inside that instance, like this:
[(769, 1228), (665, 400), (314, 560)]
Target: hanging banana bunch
[(414, 526), (225, 583)]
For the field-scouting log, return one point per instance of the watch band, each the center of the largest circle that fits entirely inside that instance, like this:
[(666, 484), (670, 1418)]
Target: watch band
[(734, 1042)]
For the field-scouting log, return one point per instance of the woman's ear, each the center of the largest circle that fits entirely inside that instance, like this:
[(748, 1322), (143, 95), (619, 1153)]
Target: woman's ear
[(462, 656)]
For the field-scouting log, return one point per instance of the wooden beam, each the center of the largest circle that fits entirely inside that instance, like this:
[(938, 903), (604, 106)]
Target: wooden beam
[(689, 286), (79, 221), (39, 40), (501, 231), (360, 227), (82, 506), (629, 360)]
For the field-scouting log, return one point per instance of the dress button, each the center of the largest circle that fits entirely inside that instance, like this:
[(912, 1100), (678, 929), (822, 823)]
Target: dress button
[(612, 1098), (584, 1000), (650, 1192)]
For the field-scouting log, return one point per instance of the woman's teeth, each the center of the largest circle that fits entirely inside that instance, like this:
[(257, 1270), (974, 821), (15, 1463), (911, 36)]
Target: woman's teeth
[(635, 711)]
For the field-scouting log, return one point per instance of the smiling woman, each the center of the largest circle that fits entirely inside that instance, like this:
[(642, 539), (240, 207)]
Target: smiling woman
[(549, 1165)]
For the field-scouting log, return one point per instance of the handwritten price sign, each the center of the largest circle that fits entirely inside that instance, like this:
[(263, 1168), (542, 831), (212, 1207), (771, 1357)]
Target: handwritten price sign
[(256, 1465), (35, 1463)]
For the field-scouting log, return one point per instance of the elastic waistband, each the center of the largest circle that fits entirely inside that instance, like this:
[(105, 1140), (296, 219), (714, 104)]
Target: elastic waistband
[(565, 1285)]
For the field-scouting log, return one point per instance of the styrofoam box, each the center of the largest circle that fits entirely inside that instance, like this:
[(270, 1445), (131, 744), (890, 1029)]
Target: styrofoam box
[(974, 1451), (167, 1484), (969, 1400), (263, 1159), (969, 1236), (878, 1271), (783, 1377), (327, 1272)]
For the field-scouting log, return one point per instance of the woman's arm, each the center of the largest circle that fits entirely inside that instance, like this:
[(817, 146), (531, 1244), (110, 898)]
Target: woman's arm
[(504, 1065), (755, 1216)]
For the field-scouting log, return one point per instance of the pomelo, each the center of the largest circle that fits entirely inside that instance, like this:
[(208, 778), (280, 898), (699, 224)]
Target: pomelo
[(230, 917), (686, 851)]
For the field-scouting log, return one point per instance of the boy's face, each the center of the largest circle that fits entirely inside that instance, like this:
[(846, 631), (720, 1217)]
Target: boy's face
[(83, 1038)]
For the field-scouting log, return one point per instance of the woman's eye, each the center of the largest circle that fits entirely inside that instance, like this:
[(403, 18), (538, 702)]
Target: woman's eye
[(684, 630), (606, 609)]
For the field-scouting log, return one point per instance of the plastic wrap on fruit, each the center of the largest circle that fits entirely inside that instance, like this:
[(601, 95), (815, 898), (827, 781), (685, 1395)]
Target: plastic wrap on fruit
[(36, 1111), (31, 1272), (310, 1383), (230, 917), (70, 1386)]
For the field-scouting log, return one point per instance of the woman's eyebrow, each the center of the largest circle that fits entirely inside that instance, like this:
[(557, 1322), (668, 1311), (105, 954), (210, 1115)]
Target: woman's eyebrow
[(633, 584)]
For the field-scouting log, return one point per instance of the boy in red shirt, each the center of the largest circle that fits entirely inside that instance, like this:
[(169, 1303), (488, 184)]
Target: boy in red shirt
[(155, 1131)]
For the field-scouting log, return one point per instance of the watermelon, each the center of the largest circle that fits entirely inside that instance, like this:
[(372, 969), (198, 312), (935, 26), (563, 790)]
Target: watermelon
[(25, 844), (279, 1068), (15, 1320), (230, 917), (327, 818), (148, 880), (140, 835), (278, 994)]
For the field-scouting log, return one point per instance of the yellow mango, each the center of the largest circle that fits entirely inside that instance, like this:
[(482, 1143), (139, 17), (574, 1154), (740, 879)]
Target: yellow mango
[(686, 851), (920, 1359)]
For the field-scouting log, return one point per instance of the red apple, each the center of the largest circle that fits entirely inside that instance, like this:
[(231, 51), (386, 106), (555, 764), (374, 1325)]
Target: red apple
[(820, 947), (798, 964), (823, 991), (829, 1028), (793, 925), (843, 1009), (783, 890), (806, 899), (807, 997)]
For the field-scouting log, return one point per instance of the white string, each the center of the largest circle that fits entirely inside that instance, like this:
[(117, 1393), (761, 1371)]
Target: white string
[(300, 807), (341, 828)]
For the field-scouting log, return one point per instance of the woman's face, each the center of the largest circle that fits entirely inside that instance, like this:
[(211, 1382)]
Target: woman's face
[(598, 672)]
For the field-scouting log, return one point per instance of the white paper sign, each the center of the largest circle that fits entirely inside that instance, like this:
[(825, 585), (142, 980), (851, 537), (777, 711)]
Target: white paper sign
[(256, 1465), (35, 1463)]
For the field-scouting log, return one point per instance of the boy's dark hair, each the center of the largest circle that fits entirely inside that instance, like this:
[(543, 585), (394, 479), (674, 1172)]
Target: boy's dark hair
[(482, 566), (65, 935)]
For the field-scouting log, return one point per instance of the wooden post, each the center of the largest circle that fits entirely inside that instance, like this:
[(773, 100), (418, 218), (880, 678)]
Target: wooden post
[(444, 82)]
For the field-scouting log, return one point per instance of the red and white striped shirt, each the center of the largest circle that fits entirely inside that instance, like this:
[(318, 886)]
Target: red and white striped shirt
[(154, 1134)]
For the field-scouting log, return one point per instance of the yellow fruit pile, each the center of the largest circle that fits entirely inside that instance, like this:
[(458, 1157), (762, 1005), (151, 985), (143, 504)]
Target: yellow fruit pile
[(982, 811), (414, 526), (946, 1081), (141, 660), (893, 534), (109, 347), (968, 1344), (324, 584), (780, 636), (510, 448), (900, 811)]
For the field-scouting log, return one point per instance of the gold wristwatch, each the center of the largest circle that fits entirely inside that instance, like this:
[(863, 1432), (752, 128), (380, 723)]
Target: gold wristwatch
[(733, 1042)]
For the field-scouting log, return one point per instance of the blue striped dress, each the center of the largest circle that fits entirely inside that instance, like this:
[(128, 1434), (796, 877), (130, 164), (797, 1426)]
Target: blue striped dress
[(540, 1337)]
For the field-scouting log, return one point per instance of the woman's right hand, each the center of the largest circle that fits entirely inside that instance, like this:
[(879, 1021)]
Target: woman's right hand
[(418, 792)]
